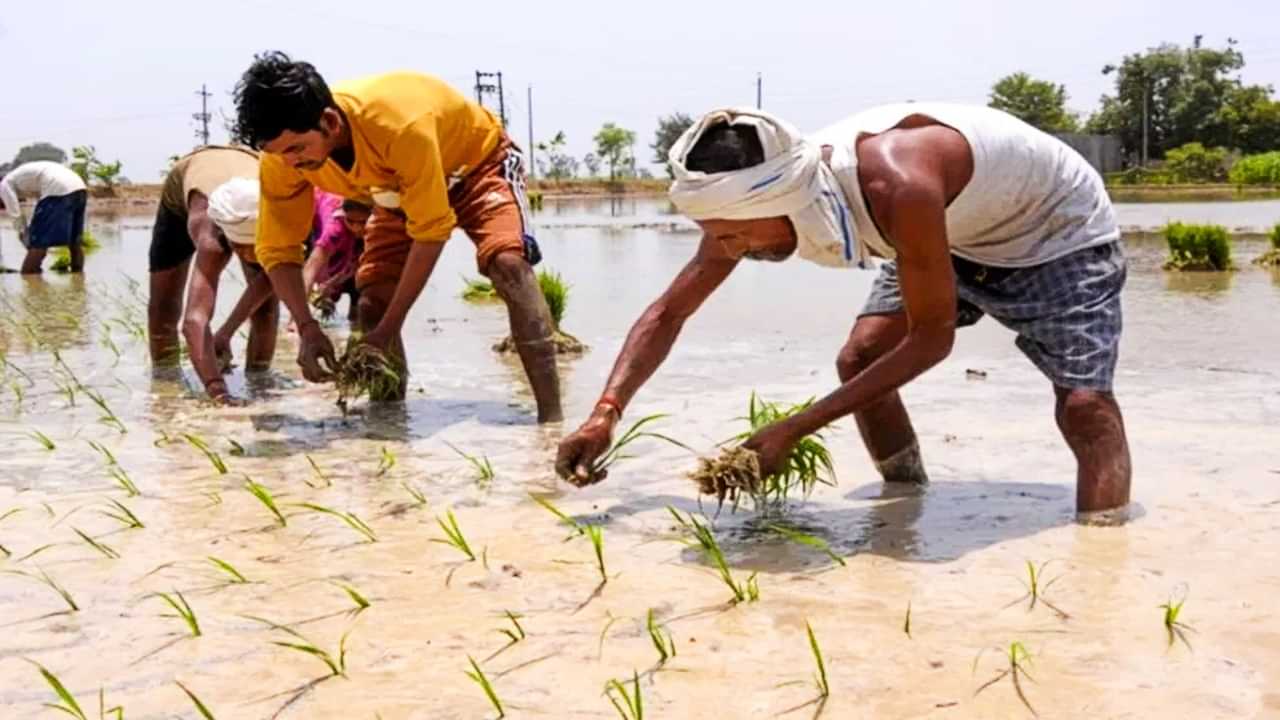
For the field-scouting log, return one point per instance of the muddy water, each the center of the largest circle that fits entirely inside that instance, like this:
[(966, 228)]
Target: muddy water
[(1199, 381)]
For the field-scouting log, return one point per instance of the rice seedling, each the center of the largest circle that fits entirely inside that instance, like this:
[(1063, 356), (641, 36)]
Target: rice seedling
[(66, 701), (820, 678), (906, 622), (110, 344), (106, 551), (1017, 658), (215, 498), (123, 481), (337, 665), (600, 469), (366, 370), (183, 610), (350, 519), (478, 290), (214, 458), (630, 706), (200, 706), (666, 646), (812, 541), (419, 499), (163, 440), (1036, 588), (108, 416), (517, 634), (19, 395), (319, 474), (748, 591), (478, 677), (453, 536), (237, 578), (43, 577), (576, 528), (736, 470), (102, 450), (386, 461), (237, 450), (484, 470), (265, 497), (1176, 629), (9, 513), (596, 534), (361, 602), (5, 551), (43, 439)]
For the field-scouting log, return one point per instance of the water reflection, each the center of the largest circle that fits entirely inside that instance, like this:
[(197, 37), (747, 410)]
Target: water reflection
[(1199, 283)]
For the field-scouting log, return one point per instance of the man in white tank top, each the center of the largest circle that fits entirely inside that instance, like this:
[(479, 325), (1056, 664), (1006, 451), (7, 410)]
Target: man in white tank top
[(977, 213)]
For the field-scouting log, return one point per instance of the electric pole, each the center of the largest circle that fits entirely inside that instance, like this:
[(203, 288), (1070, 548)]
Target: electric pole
[(532, 163), (759, 91), (483, 87), (202, 117)]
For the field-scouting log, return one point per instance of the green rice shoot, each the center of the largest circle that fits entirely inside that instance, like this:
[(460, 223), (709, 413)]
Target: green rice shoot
[(265, 497), (237, 578), (183, 609), (820, 677), (66, 701), (386, 461), (123, 515), (1017, 658), (516, 632), (350, 519), (200, 706), (337, 665), (748, 591), (481, 465), (361, 602), (320, 474), (1036, 587), (478, 677), (214, 458), (665, 645), (806, 539), (576, 528), (106, 550), (123, 481), (600, 469), (419, 498), (43, 439), (596, 534), (453, 536), (630, 705), (1176, 629)]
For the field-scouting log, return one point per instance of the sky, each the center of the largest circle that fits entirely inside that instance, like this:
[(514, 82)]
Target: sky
[(123, 75)]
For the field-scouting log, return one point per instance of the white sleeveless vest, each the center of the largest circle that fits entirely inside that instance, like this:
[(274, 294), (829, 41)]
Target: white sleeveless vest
[(1031, 199)]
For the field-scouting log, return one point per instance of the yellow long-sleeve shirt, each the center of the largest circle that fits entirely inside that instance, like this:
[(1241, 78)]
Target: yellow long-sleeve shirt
[(412, 135)]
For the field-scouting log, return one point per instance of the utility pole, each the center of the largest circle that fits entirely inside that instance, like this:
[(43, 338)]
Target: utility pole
[(1146, 122), (759, 91), (202, 117), (533, 165), (483, 87)]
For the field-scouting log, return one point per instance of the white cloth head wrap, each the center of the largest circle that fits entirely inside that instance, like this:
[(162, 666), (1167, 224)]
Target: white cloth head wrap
[(792, 181), (233, 207)]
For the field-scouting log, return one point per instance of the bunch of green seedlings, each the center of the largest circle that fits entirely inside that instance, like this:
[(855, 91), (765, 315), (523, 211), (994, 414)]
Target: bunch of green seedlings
[(62, 255), (366, 370), (478, 290), (1271, 258), (704, 538), (629, 705), (736, 471), (616, 451), (555, 291)]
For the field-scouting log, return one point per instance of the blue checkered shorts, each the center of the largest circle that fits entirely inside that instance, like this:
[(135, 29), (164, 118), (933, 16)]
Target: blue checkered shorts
[(1066, 312)]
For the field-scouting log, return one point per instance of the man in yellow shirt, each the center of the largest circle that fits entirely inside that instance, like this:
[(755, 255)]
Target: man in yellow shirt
[(431, 160)]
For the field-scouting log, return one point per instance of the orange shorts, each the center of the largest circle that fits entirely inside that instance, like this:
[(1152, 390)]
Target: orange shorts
[(491, 207)]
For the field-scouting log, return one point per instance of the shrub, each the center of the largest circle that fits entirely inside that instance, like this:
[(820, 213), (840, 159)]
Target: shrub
[(1194, 163), (1261, 169)]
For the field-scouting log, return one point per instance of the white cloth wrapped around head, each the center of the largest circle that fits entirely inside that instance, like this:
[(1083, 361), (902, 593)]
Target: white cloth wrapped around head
[(793, 181), (233, 207)]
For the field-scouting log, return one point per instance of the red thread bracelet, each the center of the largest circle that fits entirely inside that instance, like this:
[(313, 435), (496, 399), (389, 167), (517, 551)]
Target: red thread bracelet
[(611, 403)]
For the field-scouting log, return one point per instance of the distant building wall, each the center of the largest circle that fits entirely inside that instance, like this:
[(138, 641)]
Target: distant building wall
[(1103, 152)]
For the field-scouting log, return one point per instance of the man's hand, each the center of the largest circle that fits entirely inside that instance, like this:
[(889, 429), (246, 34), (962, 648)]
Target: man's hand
[(222, 351), (772, 444), (579, 451), (313, 347)]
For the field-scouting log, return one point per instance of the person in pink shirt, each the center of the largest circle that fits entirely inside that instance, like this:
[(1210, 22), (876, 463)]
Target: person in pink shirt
[(330, 270)]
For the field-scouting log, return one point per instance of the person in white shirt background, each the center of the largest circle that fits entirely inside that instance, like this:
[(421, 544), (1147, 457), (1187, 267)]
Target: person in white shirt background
[(58, 218)]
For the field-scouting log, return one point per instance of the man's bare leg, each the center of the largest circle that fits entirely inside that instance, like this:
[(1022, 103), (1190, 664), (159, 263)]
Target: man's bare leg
[(264, 326), (531, 327), (1093, 427), (32, 262), (884, 425), (374, 300), (76, 251), (164, 312)]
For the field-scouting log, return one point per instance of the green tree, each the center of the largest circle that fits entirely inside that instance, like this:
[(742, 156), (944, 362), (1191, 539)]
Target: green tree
[(670, 128), (40, 151), (1037, 102), (86, 164), (555, 163), (612, 146), (1190, 95)]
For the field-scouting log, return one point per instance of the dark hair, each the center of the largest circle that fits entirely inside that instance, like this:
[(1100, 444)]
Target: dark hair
[(725, 147), (276, 94), (349, 205)]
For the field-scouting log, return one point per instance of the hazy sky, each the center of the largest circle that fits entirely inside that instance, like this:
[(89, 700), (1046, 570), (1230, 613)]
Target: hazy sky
[(122, 75)]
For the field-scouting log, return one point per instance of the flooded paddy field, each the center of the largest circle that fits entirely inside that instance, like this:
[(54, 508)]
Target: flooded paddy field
[(1199, 381)]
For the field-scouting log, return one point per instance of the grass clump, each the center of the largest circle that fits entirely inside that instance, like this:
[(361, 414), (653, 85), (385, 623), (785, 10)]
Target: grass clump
[(364, 370), (1197, 247), (736, 471)]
